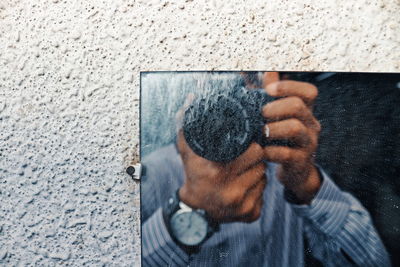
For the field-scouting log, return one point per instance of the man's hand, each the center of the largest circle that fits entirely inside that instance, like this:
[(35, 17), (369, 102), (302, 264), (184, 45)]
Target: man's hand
[(291, 118), (226, 191)]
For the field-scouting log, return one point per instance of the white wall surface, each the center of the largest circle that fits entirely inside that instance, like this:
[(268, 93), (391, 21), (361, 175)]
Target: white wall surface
[(69, 94)]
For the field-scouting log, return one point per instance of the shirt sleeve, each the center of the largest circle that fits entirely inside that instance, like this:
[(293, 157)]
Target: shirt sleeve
[(158, 248), (340, 230)]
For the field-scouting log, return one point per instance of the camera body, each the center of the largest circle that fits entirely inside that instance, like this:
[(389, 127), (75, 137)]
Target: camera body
[(220, 126)]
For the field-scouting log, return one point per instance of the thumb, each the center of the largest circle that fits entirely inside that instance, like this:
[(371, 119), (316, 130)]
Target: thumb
[(183, 148), (181, 112), (270, 77)]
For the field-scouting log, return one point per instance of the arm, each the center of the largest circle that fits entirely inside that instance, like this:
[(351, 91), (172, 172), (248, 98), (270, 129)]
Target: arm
[(163, 176), (158, 247), (227, 192), (340, 230)]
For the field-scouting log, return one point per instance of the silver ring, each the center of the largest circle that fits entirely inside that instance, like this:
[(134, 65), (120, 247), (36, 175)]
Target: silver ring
[(266, 131)]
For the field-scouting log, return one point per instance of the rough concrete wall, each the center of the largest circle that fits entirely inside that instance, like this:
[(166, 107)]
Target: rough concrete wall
[(69, 88)]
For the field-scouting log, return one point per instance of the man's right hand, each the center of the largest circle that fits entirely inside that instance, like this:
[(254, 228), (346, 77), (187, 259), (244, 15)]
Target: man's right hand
[(226, 191)]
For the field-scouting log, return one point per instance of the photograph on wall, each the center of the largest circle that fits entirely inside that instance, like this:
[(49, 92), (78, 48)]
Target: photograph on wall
[(260, 168)]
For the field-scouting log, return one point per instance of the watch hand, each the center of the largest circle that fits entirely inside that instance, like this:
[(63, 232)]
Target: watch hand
[(190, 220)]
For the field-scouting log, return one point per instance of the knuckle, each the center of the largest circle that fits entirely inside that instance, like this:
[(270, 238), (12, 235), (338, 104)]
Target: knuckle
[(318, 126), (233, 198), (297, 104), (313, 91), (307, 140), (214, 173), (296, 127), (303, 157), (280, 88), (263, 185), (256, 213), (225, 198), (258, 150), (286, 155), (261, 169), (314, 142), (246, 209)]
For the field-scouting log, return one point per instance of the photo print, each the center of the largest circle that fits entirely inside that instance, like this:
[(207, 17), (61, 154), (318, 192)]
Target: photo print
[(270, 168)]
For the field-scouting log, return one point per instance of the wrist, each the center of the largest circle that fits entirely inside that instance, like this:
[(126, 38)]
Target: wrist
[(186, 196), (200, 228), (168, 211), (305, 192)]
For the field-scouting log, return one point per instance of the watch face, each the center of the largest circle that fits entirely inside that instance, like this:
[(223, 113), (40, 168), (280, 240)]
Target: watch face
[(189, 227)]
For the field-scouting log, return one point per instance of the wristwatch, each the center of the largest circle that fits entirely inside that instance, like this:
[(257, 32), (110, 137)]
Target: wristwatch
[(188, 227)]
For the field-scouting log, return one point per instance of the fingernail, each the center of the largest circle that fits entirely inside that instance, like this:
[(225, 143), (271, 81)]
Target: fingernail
[(272, 88), (265, 108)]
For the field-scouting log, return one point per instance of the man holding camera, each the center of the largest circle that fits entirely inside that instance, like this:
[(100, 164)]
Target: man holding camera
[(260, 208)]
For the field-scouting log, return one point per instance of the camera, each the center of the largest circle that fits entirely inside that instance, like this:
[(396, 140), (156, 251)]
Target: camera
[(220, 125)]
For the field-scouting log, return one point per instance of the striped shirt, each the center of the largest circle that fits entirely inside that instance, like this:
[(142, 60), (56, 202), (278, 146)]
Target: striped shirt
[(338, 229)]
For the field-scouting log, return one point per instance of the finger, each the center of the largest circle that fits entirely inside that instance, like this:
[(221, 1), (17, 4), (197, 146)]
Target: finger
[(289, 107), (290, 129), (251, 207), (249, 179), (252, 156), (189, 99), (256, 212), (270, 77), (306, 91), (283, 154), (237, 188), (251, 78), (180, 114), (183, 148), (256, 191), (257, 209)]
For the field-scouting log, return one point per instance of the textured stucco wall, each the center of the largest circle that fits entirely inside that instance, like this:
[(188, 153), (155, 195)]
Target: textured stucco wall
[(69, 89)]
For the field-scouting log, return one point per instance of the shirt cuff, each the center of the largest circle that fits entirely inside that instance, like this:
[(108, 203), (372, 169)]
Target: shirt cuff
[(329, 208), (158, 247)]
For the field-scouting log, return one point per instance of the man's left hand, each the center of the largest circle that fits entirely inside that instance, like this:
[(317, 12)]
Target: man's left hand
[(290, 117)]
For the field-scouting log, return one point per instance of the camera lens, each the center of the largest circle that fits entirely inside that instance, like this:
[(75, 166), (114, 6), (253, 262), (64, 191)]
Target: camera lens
[(221, 126)]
